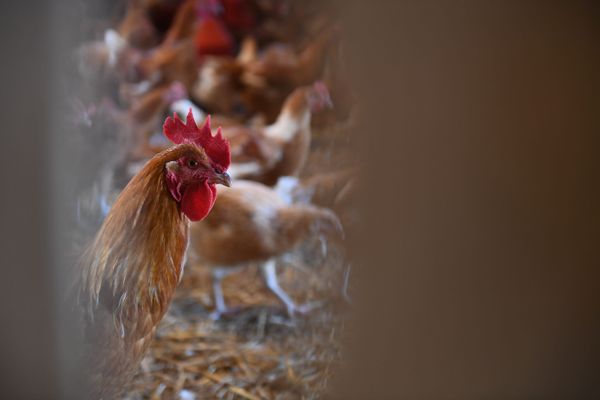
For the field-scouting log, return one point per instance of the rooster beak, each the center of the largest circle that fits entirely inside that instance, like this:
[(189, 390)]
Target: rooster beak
[(222, 178)]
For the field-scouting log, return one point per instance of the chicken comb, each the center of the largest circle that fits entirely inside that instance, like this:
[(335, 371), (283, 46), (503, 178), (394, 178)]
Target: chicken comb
[(216, 147)]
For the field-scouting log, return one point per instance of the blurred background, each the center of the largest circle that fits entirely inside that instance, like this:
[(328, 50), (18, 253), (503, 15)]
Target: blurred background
[(448, 166)]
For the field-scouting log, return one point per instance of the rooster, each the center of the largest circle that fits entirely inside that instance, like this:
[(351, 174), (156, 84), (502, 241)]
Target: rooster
[(249, 223), (280, 149), (128, 274)]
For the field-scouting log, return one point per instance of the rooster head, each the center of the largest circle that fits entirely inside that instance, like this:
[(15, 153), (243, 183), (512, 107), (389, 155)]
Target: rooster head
[(191, 178)]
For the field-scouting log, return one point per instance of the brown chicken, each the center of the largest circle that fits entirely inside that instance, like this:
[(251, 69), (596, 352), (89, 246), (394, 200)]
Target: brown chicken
[(279, 64), (280, 149), (128, 274), (259, 82), (272, 75), (218, 87), (251, 223)]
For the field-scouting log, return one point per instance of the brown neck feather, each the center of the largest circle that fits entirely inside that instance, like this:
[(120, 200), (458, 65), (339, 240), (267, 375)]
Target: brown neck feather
[(136, 258)]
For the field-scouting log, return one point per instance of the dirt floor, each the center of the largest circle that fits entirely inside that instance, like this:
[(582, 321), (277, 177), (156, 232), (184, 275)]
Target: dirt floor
[(258, 353)]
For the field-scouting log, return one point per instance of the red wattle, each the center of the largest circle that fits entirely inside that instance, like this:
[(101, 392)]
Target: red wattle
[(198, 200)]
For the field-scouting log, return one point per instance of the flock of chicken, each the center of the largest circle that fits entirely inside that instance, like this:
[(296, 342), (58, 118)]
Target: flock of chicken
[(262, 69)]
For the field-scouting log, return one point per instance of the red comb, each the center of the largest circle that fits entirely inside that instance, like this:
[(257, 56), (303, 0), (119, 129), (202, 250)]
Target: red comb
[(216, 147)]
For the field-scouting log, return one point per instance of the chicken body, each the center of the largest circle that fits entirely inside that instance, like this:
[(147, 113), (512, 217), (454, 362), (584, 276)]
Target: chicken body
[(280, 149), (259, 82), (269, 77), (128, 275), (252, 223), (280, 64)]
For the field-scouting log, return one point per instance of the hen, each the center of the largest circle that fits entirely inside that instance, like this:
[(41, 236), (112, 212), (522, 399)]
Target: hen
[(252, 223), (128, 274), (272, 74), (280, 149), (217, 86), (259, 82)]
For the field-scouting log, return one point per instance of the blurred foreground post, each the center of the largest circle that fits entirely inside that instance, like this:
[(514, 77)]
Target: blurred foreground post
[(480, 271)]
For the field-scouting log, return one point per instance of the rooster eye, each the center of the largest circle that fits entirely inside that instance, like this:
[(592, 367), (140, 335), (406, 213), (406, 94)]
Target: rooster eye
[(192, 163)]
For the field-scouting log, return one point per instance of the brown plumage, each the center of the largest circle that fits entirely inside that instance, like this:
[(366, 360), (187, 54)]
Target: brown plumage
[(281, 65), (259, 83), (128, 275), (269, 77), (252, 223), (217, 87)]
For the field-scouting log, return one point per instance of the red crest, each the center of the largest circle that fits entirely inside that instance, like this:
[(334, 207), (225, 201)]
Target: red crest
[(216, 147)]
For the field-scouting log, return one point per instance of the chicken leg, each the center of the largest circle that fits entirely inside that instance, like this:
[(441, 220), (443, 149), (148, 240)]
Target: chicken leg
[(270, 274), (217, 278)]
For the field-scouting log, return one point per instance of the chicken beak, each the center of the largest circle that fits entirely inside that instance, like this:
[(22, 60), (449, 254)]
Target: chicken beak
[(222, 178)]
